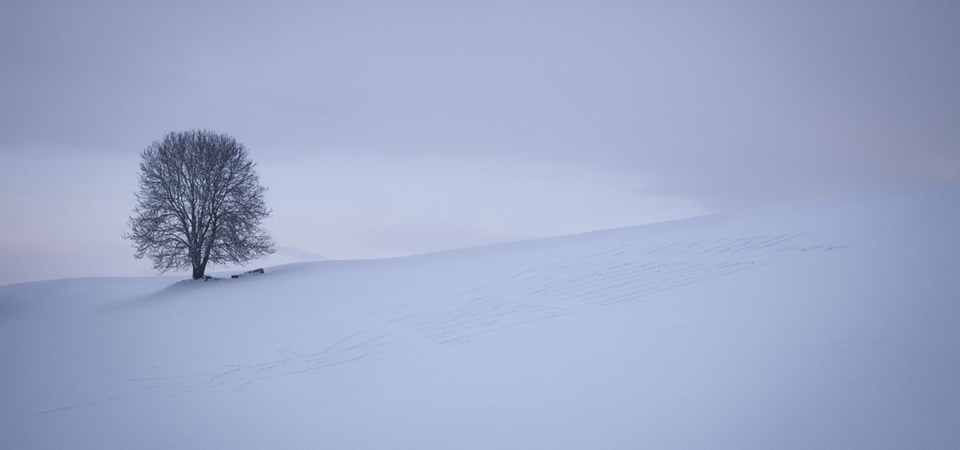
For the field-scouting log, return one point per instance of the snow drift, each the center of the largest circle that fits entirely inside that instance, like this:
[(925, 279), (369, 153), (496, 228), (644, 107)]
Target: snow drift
[(816, 326)]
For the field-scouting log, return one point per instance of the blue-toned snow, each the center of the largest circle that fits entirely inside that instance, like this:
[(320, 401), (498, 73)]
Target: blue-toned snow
[(832, 325)]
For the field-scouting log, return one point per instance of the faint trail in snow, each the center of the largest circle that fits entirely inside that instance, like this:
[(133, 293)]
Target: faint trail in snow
[(351, 348), (608, 282), (477, 315), (67, 408), (621, 274)]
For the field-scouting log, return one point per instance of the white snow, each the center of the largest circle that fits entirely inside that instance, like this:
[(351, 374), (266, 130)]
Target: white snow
[(813, 326)]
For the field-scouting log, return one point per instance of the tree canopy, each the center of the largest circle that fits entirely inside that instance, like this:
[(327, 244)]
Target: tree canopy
[(200, 202)]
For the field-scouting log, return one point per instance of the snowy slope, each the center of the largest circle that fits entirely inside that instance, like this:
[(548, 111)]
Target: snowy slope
[(814, 326)]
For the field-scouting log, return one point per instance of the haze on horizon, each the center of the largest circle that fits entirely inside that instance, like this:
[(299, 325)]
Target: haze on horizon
[(385, 129)]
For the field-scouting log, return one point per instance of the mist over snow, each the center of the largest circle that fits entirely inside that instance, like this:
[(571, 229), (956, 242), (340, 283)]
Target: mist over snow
[(828, 325), (386, 128)]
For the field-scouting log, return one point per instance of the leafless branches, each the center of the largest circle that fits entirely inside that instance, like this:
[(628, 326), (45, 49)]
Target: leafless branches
[(200, 201)]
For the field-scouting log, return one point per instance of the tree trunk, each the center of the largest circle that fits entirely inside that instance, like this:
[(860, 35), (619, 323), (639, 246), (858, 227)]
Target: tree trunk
[(199, 267), (198, 271)]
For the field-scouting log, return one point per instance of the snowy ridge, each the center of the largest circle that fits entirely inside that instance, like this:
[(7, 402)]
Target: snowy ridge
[(829, 325)]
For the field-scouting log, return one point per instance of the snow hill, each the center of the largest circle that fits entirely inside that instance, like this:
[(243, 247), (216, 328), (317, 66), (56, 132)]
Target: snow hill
[(832, 325)]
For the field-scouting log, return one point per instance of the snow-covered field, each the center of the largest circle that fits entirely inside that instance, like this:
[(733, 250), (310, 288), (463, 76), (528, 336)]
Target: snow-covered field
[(814, 326)]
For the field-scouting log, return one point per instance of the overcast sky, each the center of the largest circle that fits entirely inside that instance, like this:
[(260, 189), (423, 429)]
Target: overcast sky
[(392, 128)]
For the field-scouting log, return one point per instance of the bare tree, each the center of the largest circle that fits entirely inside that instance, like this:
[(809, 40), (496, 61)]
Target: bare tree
[(200, 202)]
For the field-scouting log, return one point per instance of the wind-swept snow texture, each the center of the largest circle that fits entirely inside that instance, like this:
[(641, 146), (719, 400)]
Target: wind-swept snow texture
[(818, 326)]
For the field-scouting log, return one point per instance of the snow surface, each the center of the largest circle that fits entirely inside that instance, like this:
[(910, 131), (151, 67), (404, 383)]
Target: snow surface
[(814, 326)]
